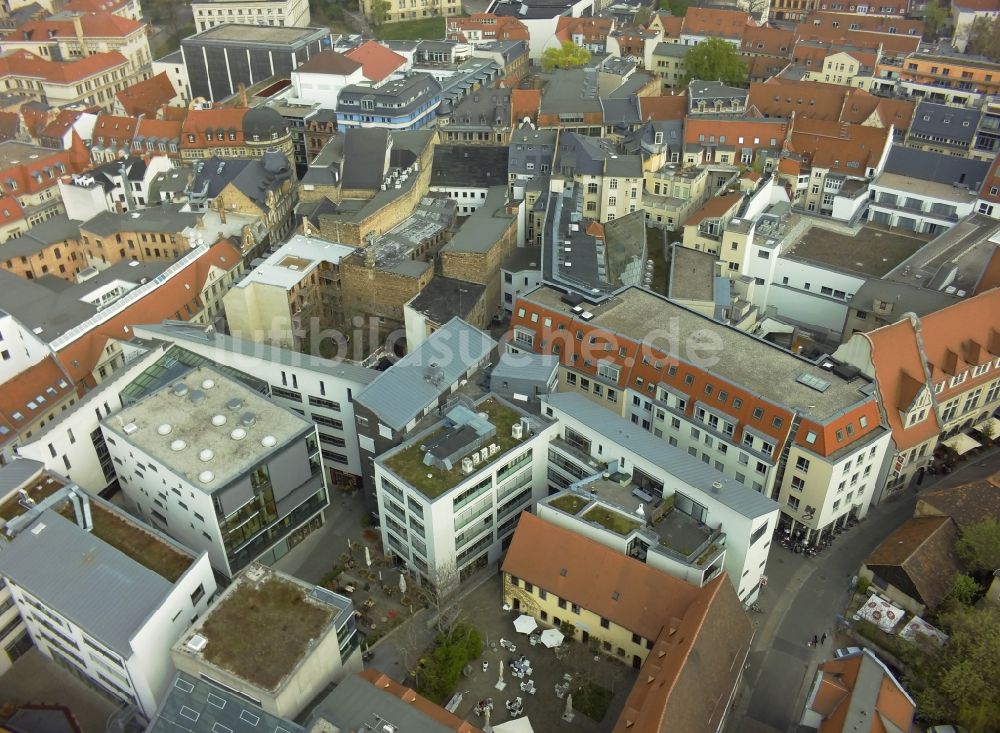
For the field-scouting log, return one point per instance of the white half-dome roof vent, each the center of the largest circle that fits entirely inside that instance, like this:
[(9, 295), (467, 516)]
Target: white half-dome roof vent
[(268, 441), (207, 383), (206, 477), (218, 420), (164, 429), (178, 445), (205, 455), (238, 434)]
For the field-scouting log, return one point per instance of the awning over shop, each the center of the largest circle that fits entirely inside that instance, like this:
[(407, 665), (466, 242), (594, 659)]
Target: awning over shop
[(961, 443)]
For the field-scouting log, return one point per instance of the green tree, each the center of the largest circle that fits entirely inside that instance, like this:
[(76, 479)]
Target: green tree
[(676, 7), (935, 20), (984, 37), (643, 16), (715, 59), (965, 589), (567, 56), (979, 546), (957, 682), (379, 9)]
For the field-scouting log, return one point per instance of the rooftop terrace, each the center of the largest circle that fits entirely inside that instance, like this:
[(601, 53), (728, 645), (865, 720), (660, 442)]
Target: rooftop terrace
[(146, 548), (285, 617), (407, 462)]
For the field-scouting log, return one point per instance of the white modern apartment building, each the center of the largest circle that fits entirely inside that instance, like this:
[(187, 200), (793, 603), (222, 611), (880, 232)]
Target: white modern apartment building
[(249, 12), (449, 498), (100, 594), (629, 491), (219, 467), (321, 390), (926, 207)]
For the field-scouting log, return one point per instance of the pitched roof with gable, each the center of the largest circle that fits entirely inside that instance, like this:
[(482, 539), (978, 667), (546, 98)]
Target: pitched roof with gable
[(873, 23), (329, 62), (94, 25), (24, 63), (500, 27), (716, 22), (858, 694), (593, 30), (164, 302), (664, 107), (898, 359), (377, 61), (839, 146), (715, 207), (524, 103), (198, 122), (701, 635), (991, 181), (919, 559), (150, 129), (27, 396), (31, 175), (146, 97), (10, 210), (765, 40), (966, 503), (62, 123)]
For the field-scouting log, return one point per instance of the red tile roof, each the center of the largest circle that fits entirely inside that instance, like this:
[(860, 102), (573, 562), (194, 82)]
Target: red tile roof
[(839, 146), (500, 27), (918, 558), (376, 60), (765, 40), (716, 22), (198, 122), (25, 64), (159, 129), (872, 23), (388, 685), (593, 30), (62, 123), (93, 25), (167, 301), (147, 97), (892, 708), (10, 210), (31, 393), (524, 103), (715, 208), (664, 107)]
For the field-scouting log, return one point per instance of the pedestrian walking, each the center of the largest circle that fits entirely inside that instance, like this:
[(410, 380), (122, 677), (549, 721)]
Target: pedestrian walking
[(823, 641), (815, 640)]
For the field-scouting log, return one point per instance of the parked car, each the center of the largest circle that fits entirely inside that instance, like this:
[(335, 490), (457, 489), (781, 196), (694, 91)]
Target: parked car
[(846, 651)]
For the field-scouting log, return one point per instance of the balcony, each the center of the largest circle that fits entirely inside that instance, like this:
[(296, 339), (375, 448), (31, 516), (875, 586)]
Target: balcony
[(687, 539)]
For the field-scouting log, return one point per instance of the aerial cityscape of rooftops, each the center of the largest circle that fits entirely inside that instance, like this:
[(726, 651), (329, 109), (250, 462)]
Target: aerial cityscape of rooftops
[(470, 366)]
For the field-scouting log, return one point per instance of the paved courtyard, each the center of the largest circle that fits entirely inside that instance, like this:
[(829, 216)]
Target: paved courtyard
[(483, 609)]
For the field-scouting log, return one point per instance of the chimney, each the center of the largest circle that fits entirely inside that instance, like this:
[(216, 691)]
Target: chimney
[(243, 95), (80, 38), (222, 210)]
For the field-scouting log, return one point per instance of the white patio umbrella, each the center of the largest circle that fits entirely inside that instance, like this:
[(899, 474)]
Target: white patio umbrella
[(368, 557), (552, 638), (568, 713), (525, 624), (402, 583)]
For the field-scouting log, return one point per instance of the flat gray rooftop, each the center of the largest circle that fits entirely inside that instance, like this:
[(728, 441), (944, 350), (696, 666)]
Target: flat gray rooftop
[(692, 274), (257, 34), (871, 251), (751, 363), (956, 258), (164, 418)]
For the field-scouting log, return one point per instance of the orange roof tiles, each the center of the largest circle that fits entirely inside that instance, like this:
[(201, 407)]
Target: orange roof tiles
[(199, 122), (422, 704), (23, 63), (893, 710), (767, 41), (613, 585), (159, 129), (672, 24), (93, 25), (164, 302), (376, 60), (991, 182), (872, 23), (524, 103), (146, 97), (43, 172), (499, 27), (10, 210), (715, 208), (664, 107), (593, 30), (839, 146), (62, 123), (918, 557), (29, 395), (715, 22)]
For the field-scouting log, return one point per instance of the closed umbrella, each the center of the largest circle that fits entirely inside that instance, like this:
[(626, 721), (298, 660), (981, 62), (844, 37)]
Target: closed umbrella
[(402, 583), (368, 557), (525, 624), (552, 638)]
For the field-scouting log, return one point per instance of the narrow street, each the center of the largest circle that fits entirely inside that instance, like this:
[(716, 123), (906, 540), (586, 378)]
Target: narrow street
[(803, 597)]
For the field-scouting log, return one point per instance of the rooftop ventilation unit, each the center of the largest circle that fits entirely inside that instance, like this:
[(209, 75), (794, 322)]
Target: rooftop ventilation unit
[(131, 428), (197, 643), (207, 383), (248, 419), (235, 403), (205, 455), (179, 390), (196, 396), (178, 445), (206, 477), (238, 434)]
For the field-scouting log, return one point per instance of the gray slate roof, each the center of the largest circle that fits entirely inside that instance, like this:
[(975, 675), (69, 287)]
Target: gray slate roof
[(444, 298), (18, 472), (75, 573), (165, 218), (465, 166), (938, 167), (674, 461), (401, 393), (525, 365), (229, 712), (906, 298), (354, 702), (484, 226), (531, 146), (40, 236), (364, 157), (955, 124)]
